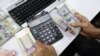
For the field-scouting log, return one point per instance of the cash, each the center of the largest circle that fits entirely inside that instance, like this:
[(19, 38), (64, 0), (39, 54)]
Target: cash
[(2, 15), (62, 16), (4, 36), (8, 27), (26, 41)]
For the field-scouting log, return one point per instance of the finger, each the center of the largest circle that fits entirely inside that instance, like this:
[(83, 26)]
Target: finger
[(11, 53), (38, 44), (80, 17), (82, 33), (76, 13), (37, 53), (39, 49), (77, 24), (52, 50)]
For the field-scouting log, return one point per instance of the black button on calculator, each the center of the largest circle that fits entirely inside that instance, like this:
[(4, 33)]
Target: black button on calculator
[(47, 32)]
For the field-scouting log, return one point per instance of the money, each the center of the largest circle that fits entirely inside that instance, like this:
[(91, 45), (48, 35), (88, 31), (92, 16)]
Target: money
[(58, 19), (4, 36), (2, 15), (26, 41), (8, 27), (63, 17), (68, 18)]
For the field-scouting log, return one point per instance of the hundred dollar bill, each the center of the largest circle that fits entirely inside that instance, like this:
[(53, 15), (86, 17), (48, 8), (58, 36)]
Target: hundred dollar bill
[(4, 36), (64, 11), (8, 27), (62, 16), (26, 41), (2, 15)]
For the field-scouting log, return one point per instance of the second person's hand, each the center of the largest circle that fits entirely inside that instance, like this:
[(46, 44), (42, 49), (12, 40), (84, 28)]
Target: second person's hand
[(88, 29)]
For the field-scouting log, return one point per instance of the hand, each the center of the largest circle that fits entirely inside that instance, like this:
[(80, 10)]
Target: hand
[(88, 29), (44, 50), (7, 53)]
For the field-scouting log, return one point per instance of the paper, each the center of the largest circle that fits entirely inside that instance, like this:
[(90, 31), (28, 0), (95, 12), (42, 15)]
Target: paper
[(58, 19), (2, 15), (63, 17), (8, 27), (26, 41)]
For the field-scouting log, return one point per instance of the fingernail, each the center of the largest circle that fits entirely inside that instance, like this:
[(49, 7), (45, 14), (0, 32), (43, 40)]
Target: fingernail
[(14, 53), (72, 24), (76, 13)]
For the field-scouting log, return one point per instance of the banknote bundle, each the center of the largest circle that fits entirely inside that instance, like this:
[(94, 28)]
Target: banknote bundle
[(8, 27), (26, 41), (62, 16)]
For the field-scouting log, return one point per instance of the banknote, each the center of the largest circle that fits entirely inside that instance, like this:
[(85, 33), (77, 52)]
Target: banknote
[(68, 18), (8, 27), (58, 19), (2, 15), (26, 41), (63, 17), (4, 35)]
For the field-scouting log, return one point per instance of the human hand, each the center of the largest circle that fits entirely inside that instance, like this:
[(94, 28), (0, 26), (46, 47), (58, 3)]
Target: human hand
[(88, 29), (44, 50), (7, 53)]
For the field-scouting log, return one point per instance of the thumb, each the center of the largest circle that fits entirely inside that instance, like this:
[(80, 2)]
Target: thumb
[(38, 44)]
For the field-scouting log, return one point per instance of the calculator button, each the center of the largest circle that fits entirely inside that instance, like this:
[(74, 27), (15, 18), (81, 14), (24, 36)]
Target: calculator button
[(42, 36), (49, 40), (48, 37), (55, 34), (49, 25), (44, 31), (51, 35), (35, 31), (47, 29), (44, 39), (53, 38), (40, 33), (53, 30), (45, 34), (49, 32)]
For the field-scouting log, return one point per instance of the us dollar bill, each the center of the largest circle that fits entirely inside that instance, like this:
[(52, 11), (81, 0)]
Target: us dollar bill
[(26, 41), (8, 27)]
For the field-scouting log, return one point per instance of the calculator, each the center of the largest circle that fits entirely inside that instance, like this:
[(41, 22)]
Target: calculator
[(46, 30)]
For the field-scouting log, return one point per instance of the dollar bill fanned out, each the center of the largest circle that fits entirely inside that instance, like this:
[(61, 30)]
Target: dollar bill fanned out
[(68, 18), (8, 27), (26, 41)]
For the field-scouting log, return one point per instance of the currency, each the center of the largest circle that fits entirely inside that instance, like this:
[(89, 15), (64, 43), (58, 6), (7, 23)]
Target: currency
[(4, 36), (26, 41), (68, 18), (63, 17), (8, 27), (2, 15), (58, 19)]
